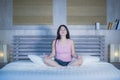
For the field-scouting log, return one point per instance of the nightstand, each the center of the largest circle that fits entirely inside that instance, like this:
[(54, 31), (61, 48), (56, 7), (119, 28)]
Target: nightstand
[(116, 64), (2, 65)]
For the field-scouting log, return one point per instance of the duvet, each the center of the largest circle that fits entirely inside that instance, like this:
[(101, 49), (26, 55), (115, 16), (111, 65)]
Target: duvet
[(27, 70)]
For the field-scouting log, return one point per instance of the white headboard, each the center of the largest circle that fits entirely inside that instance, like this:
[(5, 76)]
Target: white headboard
[(23, 45)]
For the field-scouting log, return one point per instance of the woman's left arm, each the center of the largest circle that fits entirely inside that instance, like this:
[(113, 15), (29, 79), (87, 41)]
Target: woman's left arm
[(73, 50)]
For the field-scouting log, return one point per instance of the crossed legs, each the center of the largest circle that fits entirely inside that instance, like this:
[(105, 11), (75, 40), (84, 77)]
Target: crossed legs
[(51, 62)]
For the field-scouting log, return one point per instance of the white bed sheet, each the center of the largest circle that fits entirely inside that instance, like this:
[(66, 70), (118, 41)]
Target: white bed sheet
[(29, 71)]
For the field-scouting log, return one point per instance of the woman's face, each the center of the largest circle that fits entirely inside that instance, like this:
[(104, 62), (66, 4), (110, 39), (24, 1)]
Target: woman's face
[(63, 31)]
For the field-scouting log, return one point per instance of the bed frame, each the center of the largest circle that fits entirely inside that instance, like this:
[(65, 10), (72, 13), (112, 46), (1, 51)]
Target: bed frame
[(23, 45)]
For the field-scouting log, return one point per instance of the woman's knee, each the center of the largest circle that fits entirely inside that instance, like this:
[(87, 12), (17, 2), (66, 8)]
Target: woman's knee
[(77, 62)]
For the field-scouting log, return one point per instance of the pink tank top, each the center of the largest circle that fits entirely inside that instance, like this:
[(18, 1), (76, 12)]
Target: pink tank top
[(63, 51)]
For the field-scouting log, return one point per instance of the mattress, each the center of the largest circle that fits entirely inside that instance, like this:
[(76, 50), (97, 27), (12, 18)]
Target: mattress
[(27, 70)]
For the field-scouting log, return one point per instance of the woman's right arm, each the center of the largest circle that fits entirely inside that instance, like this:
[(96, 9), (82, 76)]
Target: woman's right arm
[(53, 50)]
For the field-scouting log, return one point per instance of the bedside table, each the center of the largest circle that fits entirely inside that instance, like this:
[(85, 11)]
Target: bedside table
[(116, 64), (2, 65)]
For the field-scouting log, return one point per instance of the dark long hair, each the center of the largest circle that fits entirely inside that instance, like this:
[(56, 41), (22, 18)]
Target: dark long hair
[(58, 32)]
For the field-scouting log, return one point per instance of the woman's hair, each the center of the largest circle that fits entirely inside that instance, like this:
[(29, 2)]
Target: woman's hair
[(58, 32)]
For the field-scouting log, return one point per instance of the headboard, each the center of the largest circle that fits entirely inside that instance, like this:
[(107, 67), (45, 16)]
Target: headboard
[(23, 45)]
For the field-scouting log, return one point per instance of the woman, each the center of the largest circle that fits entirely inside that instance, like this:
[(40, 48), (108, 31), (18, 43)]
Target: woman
[(63, 50)]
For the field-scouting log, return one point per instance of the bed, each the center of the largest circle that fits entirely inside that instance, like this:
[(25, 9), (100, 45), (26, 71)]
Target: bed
[(26, 60)]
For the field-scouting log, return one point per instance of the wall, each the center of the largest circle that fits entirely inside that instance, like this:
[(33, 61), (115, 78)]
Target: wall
[(6, 13), (113, 11)]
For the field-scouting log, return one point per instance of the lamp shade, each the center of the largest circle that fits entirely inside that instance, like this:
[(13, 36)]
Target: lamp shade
[(3, 53), (114, 52)]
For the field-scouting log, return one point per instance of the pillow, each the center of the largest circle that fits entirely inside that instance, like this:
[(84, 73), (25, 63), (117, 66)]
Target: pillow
[(90, 59), (36, 59)]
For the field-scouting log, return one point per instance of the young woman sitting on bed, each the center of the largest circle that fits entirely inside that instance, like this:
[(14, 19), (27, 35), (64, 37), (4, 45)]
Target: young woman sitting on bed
[(63, 50)]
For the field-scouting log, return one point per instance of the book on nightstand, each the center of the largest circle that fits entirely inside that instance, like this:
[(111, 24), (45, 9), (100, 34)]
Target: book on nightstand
[(110, 25), (118, 25), (115, 25)]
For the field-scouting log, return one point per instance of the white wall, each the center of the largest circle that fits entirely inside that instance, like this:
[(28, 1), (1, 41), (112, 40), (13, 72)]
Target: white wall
[(113, 10), (6, 13), (59, 13)]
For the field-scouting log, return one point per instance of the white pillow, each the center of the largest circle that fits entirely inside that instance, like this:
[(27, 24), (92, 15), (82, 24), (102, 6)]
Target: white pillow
[(36, 59), (90, 59)]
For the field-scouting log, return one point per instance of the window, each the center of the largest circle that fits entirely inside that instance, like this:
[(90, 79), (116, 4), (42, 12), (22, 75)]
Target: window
[(32, 12), (86, 12)]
